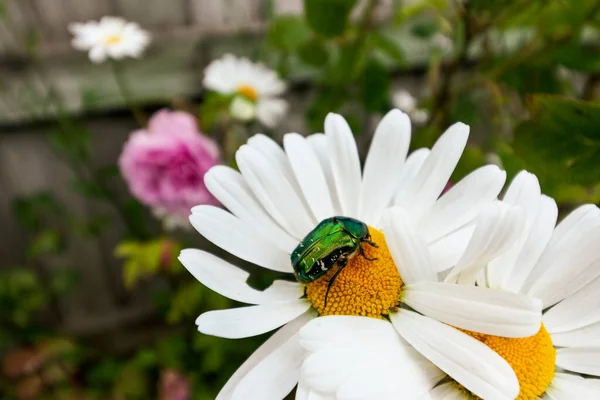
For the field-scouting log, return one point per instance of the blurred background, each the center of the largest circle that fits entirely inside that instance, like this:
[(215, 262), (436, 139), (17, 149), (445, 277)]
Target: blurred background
[(93, 302)]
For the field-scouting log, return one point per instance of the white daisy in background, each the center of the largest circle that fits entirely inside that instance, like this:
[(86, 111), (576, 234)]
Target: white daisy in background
[(403, 100), (560, 266), (254, 87), (280, 196), (111, 37)]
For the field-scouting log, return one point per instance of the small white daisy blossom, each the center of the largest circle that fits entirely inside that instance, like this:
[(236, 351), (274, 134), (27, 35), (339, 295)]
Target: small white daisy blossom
[(560, 266), (252, 82), (111, 37), (280, 195)]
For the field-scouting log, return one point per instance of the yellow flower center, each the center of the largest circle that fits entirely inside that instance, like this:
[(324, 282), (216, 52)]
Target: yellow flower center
[(363, 287), (112, 39), (532, 358), (248, 92)]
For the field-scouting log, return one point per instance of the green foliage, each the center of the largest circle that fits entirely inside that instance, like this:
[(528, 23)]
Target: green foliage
[(144, 259), (21, 295), (375, 87), (328, 17), (562, 139)]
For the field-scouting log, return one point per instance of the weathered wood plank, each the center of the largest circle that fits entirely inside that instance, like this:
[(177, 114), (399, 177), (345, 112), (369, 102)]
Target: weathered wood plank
[(227, 15), (153, 14)]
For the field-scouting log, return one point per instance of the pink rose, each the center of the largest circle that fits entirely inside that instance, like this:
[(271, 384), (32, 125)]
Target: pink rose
[(164, 165)]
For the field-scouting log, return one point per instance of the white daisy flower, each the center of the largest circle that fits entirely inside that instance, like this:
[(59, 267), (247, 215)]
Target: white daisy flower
[(560, 266), (255, 84), (280, 196), (111, 37)]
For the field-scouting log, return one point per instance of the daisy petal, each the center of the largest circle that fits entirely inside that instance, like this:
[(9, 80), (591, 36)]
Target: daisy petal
[(275, 192), (447, 391), (345, 163), (462, 202), (446, 251), (533, 246), (242, 322), (489, 311), (569, 387), (383, 164), (587, 336), (408, 250), (229, 281), (584, 360), (497, 228), (568, 265), (576, 311), (270, 111), (310, 175), (468, 361), (228, 186), (238, 238), (425, 188), (273, 345), (318, 142), (411, 168), (524, 191), (343, 348)]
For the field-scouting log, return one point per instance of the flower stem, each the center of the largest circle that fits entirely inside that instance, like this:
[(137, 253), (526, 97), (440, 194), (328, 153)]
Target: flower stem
[(136, 110)]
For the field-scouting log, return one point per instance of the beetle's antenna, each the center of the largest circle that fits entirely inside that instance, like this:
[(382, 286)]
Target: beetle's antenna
[(330, 283)]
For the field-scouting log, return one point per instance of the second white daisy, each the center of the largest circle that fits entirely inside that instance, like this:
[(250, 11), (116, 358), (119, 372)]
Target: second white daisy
[(254, 87)]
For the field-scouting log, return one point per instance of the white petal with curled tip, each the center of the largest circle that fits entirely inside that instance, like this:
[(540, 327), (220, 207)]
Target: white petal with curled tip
[(489, 311), (242, 322), (230, 281), (570, 387), (310, 175), (345, 163), (275, 192), (463, 202), (497, 228), (362, 358), (422, 191), (584, 360), (229, 187), (576, 311), (238, 238), (409, 251), (273, 345), (383, 164), (569, 265), (318, 142), (447, 391), (468, 361), (411, 168)]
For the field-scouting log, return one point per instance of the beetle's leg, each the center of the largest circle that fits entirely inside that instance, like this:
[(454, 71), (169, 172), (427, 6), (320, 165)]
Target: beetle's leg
[(370, 242), (362, 253), (342, 262)]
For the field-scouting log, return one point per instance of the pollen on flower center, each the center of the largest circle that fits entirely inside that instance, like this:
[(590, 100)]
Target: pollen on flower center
[(532, 358), (112, 39), (363, 287), (247, 91)]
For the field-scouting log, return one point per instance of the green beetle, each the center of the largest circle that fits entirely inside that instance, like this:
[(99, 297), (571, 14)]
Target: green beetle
[(332, 243)]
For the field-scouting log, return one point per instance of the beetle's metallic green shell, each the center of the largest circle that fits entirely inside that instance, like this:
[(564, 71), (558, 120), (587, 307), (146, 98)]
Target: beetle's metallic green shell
[(322, 248)]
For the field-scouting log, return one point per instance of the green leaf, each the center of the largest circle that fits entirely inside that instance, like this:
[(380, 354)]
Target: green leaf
[(87, 188), (561, 142), (328, 17), (387, 46), (288, 32), (375, 87), (46, 242), (314, 52), (63, 280)]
